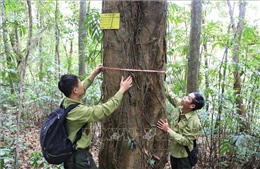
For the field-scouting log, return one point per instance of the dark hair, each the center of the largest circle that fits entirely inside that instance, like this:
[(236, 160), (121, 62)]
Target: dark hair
[(198, 101), (67, 83)]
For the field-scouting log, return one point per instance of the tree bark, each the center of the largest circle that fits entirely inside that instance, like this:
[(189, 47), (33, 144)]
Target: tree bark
[(57, 39), (223, 76), (40, 45), (236, 49), (82, 37), (23, 66), (194, 46), (70, 56), (139, 43)]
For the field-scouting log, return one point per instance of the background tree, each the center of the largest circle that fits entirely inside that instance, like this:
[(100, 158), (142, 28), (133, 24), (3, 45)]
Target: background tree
[(237, 31), (139, 43), (23, 66), (82, 37), (57, 38), (7, 50), (194, 46)]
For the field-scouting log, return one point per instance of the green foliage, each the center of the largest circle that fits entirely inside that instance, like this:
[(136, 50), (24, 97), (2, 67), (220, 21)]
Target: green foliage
[(174, 9), (178, 39), (94, 37), (240, 147), (5, 158), (37, 161), (176, 79)]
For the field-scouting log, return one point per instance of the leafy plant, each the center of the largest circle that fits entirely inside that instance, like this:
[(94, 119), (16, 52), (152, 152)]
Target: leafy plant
[(37, 161), (5, 157)]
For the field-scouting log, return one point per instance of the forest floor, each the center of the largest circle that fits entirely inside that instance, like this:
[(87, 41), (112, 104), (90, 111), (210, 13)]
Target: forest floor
[(30, 156), (30, 151)]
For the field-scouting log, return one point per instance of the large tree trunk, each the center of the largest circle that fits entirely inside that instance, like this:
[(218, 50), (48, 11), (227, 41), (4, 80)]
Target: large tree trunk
[(194, 46), (138, 44)]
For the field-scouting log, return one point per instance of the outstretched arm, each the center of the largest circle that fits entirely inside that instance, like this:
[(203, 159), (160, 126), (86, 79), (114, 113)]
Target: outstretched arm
[(173, 98), (88, 81), (95, 72), (98, 112)]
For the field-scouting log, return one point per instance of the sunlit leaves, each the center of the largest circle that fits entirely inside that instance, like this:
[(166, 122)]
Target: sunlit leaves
[(94, 36)]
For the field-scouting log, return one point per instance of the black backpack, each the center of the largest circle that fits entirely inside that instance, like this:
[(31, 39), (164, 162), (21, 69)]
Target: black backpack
[(56, 147)]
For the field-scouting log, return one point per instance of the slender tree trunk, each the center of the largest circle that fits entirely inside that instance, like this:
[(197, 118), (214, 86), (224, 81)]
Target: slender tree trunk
[(253, 100), (206, 61), (23, 66), (82, 37), (14, 39), (194, 50), (70, 56), (222, 75), (236, 49), (139, 43), (57, 39), (40, 45)]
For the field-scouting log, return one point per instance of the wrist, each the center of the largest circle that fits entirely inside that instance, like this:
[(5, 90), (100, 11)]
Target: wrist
[(96, 72), (121, 90), (168, 130)]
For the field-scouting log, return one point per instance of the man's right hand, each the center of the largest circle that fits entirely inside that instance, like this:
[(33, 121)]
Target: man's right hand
[(98, 69), (125, 84)]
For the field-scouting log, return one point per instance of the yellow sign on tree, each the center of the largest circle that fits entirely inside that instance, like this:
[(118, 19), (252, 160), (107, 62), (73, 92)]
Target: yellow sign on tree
[(109, 20)]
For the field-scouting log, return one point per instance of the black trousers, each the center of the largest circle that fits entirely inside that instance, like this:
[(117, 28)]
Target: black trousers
[(83, 159), (180, 163)]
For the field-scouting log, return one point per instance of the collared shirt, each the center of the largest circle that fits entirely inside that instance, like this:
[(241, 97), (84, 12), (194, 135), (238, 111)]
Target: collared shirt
[(185, 128), (82, 114)]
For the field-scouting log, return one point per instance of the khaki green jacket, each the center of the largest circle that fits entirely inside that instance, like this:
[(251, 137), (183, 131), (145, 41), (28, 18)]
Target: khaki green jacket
[(184, 131), (82, 114)]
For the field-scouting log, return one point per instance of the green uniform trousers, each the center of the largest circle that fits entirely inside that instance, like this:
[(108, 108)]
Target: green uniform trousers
[(83, 159), (180, 163)]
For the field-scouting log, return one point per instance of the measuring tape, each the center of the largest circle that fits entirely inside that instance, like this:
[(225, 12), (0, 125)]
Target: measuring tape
[(134, 70)]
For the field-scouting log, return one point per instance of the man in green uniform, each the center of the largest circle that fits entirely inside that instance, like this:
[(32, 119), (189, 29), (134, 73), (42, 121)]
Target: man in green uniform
[(73, 89), (184, 128)]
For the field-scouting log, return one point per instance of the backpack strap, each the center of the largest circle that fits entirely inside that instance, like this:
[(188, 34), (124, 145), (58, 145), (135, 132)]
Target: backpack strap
[(194, 145), (70, 107), (79, 133), (61, 104)]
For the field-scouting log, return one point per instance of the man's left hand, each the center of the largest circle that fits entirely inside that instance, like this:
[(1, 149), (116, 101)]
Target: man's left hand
[(163, 125)]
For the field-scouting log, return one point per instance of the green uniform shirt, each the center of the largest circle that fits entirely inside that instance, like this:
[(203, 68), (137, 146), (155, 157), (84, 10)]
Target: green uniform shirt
[(82, 114), (184, 131)]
